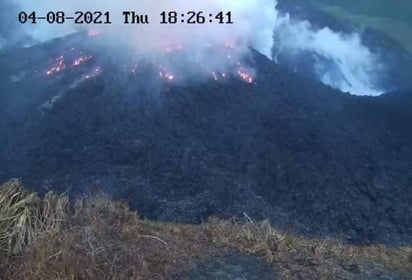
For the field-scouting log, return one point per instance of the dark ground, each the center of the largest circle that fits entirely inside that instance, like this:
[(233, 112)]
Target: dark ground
[(233, 266), (312, 159), (244, 267)]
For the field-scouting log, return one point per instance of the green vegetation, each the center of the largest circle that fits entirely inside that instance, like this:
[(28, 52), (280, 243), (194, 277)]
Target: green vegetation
[(393, 18), (103, 239)]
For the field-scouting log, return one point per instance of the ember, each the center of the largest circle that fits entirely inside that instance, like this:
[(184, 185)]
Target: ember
[(81, 60), (134, 69), (227, 67), (214, 76), (57, 66), (244, 75), (93, 32), (165, 74)]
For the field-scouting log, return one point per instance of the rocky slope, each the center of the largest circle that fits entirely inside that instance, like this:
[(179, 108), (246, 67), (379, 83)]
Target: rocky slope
[(310, 158)]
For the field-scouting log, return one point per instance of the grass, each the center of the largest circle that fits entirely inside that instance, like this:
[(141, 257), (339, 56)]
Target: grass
[(102, 239), (392, 18), (24, 216)]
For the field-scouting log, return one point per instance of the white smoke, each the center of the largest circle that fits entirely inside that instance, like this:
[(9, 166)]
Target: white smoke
[(253, 20), (341, 60), (346, 63)]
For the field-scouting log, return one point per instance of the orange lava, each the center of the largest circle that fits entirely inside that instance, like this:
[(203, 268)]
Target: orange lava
[(57, 67)]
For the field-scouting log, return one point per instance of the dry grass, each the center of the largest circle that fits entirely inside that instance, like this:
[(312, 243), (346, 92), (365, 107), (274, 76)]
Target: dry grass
[(303, 258), (103, 239), (24, 217)]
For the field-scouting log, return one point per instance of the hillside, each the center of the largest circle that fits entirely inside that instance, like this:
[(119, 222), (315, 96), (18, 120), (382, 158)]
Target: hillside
[(97, 238), (311, 159), (279, 147)]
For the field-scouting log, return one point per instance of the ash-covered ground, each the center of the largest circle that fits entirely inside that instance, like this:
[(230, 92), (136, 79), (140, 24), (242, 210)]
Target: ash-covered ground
[(252, 138)]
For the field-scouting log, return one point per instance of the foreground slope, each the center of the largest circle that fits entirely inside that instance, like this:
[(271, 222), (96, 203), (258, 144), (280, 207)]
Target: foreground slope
[(309, 158), (103, 239)]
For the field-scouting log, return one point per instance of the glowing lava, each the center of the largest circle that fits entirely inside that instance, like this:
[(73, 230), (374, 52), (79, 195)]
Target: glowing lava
[(173, 64), (214, 76), (57, 66), (134, 69), (244, 75), (81, 60), (93, 32), (165, 74)]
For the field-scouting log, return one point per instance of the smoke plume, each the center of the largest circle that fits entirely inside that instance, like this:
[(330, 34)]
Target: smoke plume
[(338, 60), (252, 21)]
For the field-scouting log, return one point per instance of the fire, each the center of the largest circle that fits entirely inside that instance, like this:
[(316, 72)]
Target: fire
[(81, 60), (218, 75), (214, 76), (93, 32), (244, 75), (98, 70), (166, 76), (58, 66), (227, 67), (164, 73), (169, 47), (134, 69)]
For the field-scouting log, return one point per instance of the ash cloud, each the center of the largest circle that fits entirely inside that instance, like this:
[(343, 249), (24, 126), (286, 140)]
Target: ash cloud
[(338, 60)]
